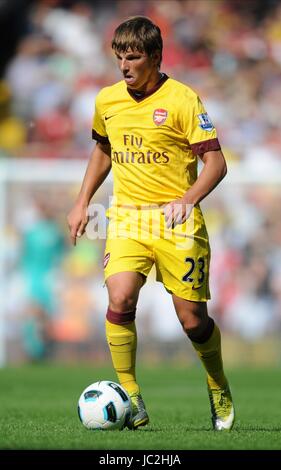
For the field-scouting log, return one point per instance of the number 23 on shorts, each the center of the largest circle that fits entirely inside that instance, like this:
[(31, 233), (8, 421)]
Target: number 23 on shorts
[(190, 275)]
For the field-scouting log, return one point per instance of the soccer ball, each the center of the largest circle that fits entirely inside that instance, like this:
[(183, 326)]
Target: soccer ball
[(104, 405)]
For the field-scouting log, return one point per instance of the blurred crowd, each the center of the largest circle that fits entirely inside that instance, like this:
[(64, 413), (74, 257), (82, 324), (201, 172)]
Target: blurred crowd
[(229, 51)]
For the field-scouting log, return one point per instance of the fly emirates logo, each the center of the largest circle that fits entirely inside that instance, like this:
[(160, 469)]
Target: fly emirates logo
[(134, 153)]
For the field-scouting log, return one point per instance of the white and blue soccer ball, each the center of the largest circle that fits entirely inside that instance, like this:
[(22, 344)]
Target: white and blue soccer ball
[(104, 405)]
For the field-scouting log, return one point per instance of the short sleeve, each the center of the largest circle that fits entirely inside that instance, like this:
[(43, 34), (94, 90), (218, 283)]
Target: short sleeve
[(199, 129), (98, 129)]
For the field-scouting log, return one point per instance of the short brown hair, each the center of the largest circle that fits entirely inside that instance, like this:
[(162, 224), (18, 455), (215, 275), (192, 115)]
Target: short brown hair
[(138, 33)]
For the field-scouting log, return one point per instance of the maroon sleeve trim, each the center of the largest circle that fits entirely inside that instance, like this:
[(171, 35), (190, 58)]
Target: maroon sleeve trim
[(205, 146), (99, 138)]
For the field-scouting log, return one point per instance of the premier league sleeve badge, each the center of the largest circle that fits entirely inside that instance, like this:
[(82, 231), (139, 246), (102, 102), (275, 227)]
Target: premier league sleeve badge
[(205, 122)]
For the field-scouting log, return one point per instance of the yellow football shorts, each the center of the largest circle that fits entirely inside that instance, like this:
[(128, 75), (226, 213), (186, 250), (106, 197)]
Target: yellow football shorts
[(138, 239)]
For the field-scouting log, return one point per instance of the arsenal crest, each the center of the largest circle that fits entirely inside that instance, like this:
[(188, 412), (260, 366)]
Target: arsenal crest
[(160, 116)]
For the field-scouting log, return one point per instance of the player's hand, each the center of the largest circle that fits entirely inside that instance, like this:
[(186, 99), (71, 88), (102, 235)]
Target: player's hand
[(177, 212), (77, 221)]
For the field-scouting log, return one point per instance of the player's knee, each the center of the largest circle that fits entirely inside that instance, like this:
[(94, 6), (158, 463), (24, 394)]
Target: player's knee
[(122, 302), (198, 329), (192, 326)]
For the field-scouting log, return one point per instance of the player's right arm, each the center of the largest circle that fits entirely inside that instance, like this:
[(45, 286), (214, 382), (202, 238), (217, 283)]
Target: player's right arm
[(98, 168)]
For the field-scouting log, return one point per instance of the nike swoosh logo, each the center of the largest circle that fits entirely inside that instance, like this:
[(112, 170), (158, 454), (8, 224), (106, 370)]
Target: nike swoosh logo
[(108, 117), (196, 287)]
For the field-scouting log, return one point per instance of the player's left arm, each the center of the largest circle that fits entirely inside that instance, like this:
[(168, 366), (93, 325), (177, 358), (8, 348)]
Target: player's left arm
[(214, 170)]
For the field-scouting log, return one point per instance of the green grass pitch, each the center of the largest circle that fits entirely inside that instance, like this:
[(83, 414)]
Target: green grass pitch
[(39, 410)]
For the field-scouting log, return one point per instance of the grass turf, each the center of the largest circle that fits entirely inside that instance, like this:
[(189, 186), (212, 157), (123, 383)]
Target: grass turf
[(39, 410)]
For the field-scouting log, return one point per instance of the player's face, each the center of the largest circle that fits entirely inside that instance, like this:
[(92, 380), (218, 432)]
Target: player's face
[(139, 70)]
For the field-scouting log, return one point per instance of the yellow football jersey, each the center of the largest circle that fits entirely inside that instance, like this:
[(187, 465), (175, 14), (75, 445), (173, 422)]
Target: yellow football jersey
[(155, 140)]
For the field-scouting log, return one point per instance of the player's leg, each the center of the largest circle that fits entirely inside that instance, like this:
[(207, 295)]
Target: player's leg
[(206, 340), (123, 291), (127, 262), (182, 264), (205, 337)]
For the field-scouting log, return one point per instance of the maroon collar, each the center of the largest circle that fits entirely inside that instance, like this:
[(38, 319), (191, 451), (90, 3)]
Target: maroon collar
[(141, 95)]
